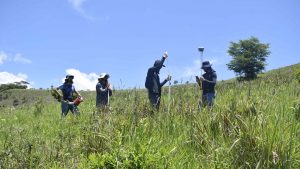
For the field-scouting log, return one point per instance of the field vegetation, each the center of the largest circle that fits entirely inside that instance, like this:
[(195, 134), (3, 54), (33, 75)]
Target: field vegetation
[(254, 124)]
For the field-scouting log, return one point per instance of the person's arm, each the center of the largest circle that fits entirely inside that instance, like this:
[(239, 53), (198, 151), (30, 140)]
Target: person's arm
[(165, 81), (160, 62), (213, 81), (100, 89), (60, 88), (164, 57)]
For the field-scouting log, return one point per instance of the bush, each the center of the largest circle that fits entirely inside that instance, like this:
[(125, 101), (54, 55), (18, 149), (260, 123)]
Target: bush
[(298, 75), (16, 85)]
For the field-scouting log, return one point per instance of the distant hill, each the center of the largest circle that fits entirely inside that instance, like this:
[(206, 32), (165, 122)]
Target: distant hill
[(19, 97), (287, 71), (280, 74)]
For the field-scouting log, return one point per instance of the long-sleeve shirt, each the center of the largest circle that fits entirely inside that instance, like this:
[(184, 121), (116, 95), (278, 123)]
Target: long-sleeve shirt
[(153, 83), (67, 90), (209, 87), (102, 94)]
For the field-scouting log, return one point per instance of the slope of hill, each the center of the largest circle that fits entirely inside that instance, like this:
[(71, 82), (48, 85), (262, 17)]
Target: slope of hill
[(252, 125)]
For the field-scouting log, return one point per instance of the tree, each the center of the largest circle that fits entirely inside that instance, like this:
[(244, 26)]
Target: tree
[(15, 85), (249, 57)]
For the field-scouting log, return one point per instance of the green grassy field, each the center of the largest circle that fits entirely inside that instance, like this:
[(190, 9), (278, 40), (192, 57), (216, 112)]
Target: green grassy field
[(252, 125)]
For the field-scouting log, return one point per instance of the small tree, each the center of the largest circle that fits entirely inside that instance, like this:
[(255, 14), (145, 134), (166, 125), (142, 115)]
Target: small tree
[(15, 85), (249, 57)]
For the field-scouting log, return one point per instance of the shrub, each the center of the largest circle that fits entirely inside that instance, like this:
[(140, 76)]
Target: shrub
[(298, 75)]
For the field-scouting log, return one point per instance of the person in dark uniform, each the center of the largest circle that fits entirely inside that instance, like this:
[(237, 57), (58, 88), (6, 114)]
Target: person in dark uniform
[(153, 83), (103, 91), (67, 102), (208, 82)]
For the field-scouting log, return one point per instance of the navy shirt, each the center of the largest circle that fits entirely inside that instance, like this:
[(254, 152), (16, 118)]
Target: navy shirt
[(152, 80), (208, 87), (68, 90), (102, 94)]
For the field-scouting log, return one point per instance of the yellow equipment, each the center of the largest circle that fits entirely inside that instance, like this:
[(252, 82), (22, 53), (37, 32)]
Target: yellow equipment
[(57, 94)]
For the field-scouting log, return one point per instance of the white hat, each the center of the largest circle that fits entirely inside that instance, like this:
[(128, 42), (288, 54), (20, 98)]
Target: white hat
[(103, 75)]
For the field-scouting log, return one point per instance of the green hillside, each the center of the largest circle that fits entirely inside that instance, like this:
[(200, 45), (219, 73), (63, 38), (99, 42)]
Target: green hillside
[(253, 124)]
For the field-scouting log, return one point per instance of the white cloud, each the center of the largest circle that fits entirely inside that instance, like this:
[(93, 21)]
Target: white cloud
[(195, 68), (213, 61), (19, 58), (3, 57), (6, 77), (77, 5), (83, 81), (192, 70)]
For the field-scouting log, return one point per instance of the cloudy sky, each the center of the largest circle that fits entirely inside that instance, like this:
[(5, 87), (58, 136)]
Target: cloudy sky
[(43, 40)]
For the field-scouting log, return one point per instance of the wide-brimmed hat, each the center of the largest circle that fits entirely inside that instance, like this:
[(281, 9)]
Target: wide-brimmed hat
[(206, 64), (157, 63), (103, 75)]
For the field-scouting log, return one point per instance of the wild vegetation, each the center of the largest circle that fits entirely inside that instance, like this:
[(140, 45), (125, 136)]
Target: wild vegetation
[(15, 85), (254, 124)]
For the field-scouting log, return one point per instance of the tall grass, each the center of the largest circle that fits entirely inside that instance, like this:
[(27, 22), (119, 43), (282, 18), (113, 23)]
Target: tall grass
[(252, 125)]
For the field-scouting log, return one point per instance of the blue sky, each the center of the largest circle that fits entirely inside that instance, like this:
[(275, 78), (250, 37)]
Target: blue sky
[(43, 40)]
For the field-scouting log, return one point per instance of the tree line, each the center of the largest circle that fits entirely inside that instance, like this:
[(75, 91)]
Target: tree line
[(15, 85)]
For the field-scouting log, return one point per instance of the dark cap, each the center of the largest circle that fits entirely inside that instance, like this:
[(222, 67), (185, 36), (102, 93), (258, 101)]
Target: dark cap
[(157, 63), (205, 64), (69, 76)]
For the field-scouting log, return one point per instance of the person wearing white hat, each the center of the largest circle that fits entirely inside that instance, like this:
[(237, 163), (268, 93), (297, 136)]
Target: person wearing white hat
[(208, 82), (103, 91)]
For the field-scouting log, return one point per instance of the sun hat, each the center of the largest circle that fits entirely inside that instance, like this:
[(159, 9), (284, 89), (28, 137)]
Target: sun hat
[(206, 64), (103, 75)]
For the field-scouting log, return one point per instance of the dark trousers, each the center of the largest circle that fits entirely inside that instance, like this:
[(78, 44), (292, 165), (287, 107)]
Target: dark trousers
[(208, 99), (66, 107), (154, 99)]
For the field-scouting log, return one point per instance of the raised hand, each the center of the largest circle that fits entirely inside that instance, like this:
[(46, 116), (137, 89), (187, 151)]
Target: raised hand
[(166, 55)]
